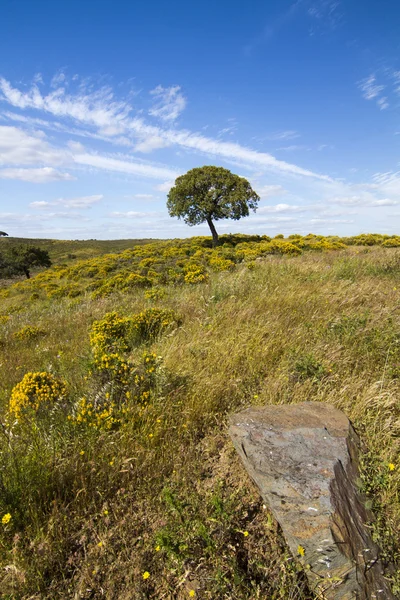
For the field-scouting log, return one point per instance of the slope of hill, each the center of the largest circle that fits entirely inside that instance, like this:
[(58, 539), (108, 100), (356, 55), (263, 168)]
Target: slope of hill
[(117, 375)]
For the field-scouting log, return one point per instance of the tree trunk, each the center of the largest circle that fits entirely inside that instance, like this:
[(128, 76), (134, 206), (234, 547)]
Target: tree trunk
[(27, 273), (213, 232)]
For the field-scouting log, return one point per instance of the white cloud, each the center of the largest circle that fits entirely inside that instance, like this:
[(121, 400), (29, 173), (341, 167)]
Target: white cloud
[(388, 184), (40, 175), (19, 148), (150, 143), (279, 208), (169, 103), (294, 147), (328, 221), (267, 191), (101, 110), (110, 163), (97, 108), (143, 196), (32, 218), (58, 79), (165, 187), (132, 214), (383, 103), (38, 78), (366, 200), (284, 135), (369, 88), (80, 202)]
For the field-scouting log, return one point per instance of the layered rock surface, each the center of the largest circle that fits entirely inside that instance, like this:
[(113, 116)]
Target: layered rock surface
[(304, 460)]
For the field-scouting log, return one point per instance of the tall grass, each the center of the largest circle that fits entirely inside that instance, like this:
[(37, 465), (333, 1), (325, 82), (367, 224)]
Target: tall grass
[(160, 507)]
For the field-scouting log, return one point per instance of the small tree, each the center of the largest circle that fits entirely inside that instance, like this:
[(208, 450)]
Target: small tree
[(207, 194), (20, 260), (3, 234)]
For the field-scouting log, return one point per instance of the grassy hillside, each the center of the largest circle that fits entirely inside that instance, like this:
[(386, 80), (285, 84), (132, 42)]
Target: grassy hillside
[(66, 251), (117, 478)]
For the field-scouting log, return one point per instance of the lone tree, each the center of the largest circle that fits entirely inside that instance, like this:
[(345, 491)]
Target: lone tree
[(207, 194), (20, 260), (3, 234)]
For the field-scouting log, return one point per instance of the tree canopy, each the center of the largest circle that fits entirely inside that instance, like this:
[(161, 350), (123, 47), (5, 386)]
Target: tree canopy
[(19, 260), (3, 234), (209, 193)]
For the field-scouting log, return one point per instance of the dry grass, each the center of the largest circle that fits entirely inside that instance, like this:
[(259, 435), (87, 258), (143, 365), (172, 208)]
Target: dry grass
[(92, 511)]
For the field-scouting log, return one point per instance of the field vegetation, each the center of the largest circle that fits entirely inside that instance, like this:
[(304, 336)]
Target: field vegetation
[(119, 366)]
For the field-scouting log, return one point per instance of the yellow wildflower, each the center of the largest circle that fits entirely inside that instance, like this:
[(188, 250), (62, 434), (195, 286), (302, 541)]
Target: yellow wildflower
[(146, 575), (300, 550), (245, 533), (391, 467), (6, 519)]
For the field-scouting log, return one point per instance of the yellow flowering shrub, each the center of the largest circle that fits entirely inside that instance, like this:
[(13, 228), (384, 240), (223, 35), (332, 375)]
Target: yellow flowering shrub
[(124, 386), (29, 332), (218, 263), (154, 293), (34, 391), (100, 416), (113, 366), (109, 334), (393, 242)]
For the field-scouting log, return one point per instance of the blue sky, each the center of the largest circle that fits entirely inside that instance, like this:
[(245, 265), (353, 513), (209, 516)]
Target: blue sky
[(103, 104)]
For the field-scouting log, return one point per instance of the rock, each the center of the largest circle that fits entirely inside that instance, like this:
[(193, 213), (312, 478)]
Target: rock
[(304, 460)]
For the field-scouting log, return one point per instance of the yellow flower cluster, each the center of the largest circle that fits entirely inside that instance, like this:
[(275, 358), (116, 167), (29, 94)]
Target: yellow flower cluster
[(110, 334), (114, 366), (196, 274), (104, 416), (4, 319), (29, 333), (6, 518), (34, 391)]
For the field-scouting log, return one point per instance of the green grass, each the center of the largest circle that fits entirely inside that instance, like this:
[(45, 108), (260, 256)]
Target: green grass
[(164, 493)]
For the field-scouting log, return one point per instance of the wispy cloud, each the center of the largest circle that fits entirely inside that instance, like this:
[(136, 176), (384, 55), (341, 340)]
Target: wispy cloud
[(109, 163), (282, 208), (284, 135), (383, 103), (169, 103), (80, 202), (370, 91), (40, 175), (110, 117), (132, 214), (266, 191), (369, 87)]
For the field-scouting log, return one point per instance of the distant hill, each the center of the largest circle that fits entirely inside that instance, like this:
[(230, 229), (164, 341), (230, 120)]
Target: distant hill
[(67, 251)]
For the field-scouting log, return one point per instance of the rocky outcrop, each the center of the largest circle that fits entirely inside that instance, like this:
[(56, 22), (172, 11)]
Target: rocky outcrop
[(304, 460)]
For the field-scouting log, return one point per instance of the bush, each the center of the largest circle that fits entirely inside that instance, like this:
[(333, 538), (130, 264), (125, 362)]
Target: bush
[(36, 391)]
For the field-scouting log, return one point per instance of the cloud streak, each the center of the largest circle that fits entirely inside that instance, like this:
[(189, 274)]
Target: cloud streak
[(40, 175), (112, 118)]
